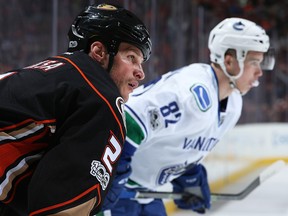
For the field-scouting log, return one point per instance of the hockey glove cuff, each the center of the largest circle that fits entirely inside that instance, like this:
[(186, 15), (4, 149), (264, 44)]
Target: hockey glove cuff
[(191, 179)]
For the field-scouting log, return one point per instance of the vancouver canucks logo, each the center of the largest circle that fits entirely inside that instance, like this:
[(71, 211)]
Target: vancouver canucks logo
[(201, 96), (239, 26)]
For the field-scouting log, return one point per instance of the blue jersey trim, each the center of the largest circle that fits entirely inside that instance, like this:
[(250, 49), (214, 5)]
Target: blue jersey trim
[(134, 114), (217, 82)]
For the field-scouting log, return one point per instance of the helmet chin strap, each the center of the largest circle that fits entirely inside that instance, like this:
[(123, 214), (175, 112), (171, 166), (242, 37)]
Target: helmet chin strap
[(110, 64), (113, 50), (232, 79)]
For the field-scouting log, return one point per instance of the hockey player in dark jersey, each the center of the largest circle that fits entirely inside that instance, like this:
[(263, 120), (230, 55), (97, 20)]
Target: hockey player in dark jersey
[(61, 123)]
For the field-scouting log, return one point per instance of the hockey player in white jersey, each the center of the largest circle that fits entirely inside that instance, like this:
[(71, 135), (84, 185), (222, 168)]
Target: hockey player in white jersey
[(176, 120)]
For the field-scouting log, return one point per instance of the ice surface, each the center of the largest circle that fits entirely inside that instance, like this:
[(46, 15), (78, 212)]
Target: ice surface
[(269, 199)]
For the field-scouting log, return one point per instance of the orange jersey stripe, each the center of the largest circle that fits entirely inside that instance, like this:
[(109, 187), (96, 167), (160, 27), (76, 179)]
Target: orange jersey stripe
[(11, 151), (95, 187), (15, 186), (97, 92), (48, 121)]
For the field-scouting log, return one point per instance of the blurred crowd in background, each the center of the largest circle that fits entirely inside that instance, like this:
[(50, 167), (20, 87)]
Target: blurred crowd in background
[(31, 30)]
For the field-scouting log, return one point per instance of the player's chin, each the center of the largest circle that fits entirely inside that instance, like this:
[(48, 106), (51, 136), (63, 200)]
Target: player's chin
[(125, 97), (246, 90), (125, 94)]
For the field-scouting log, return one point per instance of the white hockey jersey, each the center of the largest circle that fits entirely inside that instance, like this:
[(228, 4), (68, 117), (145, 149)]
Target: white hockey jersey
[(175, 121)]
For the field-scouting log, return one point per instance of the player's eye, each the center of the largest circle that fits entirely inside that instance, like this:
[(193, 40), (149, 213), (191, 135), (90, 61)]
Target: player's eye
[(131, 58), (255, 63)]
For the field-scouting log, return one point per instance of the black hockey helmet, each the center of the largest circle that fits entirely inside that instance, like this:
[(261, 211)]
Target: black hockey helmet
[(111, 25)]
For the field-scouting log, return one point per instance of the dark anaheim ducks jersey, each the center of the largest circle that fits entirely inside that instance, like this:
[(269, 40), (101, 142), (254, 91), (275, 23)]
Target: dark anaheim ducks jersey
[(61, 134)]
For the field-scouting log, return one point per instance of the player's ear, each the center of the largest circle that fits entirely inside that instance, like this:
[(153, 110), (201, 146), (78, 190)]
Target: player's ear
[(228, 60), (98, 52), (231, 64)]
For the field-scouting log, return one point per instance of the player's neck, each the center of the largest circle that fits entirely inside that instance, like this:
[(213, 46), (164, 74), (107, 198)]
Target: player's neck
[(224, 84)]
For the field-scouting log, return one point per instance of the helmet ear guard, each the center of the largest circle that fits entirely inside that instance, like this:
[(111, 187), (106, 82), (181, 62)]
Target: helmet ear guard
[(111, 25)]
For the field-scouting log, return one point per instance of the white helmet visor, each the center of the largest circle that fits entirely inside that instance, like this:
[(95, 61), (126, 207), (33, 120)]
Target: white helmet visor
[(268, 60)]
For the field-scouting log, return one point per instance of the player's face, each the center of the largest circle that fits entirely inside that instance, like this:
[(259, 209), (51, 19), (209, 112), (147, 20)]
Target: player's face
[(127, 69), (252, 71)]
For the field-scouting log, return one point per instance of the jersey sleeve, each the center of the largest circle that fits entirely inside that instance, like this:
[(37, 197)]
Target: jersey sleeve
[(81, 165)]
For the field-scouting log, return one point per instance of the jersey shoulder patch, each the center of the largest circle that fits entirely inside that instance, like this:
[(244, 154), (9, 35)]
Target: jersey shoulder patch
[(202, 97)]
